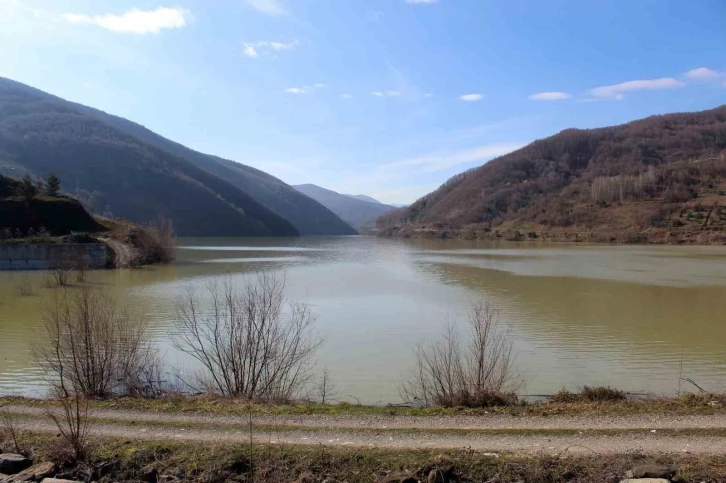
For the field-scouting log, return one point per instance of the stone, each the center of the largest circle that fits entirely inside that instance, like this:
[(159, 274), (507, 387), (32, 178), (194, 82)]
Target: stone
[(400, 478), (645, 480), (11, 463), (56, 480), (35, 472), (653, 471)]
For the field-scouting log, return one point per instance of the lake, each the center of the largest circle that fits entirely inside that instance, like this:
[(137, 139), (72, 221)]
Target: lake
[(635, 317)]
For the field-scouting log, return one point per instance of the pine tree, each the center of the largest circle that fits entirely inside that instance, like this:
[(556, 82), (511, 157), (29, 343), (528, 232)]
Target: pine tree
[(27, 189), (52, 185)]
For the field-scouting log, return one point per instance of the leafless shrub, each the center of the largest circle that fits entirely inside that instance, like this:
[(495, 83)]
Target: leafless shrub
[(156, 242), (248, 345), (88, 345), (8, 425), (73, 426), (24, 287), (62, 274), (478, 372), (326, 389)]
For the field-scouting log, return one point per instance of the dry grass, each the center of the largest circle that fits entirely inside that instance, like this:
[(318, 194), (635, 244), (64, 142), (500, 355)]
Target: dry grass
[(134, 461)]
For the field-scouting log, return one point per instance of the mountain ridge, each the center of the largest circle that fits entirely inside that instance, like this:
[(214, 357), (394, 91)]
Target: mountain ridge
[(661, 179), (357, 212), (242, 201)]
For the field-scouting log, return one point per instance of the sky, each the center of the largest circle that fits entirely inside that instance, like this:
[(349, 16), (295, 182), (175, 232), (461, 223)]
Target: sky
[(387, 98)]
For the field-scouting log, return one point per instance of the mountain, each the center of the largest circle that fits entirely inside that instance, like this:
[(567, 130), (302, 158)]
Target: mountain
[(120, 168), (364, 198), (661, 180), (357, 212)]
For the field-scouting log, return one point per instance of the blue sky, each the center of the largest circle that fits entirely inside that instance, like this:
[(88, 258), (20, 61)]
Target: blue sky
[(382, 97)]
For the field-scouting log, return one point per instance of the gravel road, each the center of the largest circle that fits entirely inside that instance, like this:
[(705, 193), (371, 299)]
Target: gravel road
[(495, 433)]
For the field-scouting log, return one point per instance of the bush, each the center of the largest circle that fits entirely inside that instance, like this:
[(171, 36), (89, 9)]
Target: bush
[(589, 394), (477, 373)]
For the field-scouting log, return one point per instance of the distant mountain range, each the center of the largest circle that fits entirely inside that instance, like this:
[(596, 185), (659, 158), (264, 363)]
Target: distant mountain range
[(359, 211), (119, 168), (661, 179)]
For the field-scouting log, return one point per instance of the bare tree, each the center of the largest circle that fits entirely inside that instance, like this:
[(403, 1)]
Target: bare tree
[(72, 423), (247, 343), (88, 345), (8, 424), (477, 372), (326, 389)]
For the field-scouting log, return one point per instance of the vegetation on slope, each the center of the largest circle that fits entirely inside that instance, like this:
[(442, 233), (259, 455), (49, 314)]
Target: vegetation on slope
[(116, 173), (357, 212), (660, 179)]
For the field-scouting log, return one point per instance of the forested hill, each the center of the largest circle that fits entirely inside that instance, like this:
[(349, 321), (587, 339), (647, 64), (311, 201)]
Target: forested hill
[(661, 179), (357, 211), (121, 169)]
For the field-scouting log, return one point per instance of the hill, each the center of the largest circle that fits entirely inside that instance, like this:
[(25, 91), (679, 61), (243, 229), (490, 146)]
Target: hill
[(369, 199), (661, 180), (122, 169), (357, 212)]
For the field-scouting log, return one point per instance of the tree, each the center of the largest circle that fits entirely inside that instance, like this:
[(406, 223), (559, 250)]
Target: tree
[(27, 188), (52, 185)]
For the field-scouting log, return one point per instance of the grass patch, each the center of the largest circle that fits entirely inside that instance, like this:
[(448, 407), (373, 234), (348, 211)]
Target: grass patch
[(117, 460), (597, 394), (685, 404)]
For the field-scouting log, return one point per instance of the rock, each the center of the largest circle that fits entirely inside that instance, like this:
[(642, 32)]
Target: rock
[(56, 480), (11, 463), (714, 403), (653, 471), (151, 476), (629, 474), (400, 478), (35, 473), (645, 480)]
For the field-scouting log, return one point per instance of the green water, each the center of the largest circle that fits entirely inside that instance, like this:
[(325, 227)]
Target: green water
[(635, 317)]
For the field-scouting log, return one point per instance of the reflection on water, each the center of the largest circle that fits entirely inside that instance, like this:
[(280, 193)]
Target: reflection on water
[(634, 317)]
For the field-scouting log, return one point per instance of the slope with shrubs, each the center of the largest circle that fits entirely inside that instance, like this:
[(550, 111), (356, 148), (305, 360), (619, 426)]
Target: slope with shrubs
[(660, 179), (117, 173)]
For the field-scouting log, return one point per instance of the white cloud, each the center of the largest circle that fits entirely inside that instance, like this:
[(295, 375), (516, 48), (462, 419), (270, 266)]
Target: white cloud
[(136, 21), (267, 47), (346, 96), (617, 91), (471, 97), (296, 90), (428, 94), (273, 8), (438, 162), (319, 86), (550, 96), (250, 51), (386, 93), (421, 2), (703, 74)]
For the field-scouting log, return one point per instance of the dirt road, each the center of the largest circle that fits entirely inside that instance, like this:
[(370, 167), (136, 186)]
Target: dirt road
[(495, 433)]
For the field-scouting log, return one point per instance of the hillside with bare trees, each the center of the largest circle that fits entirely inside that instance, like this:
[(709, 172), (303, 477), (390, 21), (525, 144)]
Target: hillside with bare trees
[(657, 180)]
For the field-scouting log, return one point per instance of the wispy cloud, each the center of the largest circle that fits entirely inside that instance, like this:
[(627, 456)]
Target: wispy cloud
[(550, 96), (272, 8), (471, 97), (704, 74), (618, 91), (267, 47), (386, 93), (346, 96), (437, 162), (136, 21), (304, 89), (421, 2)]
